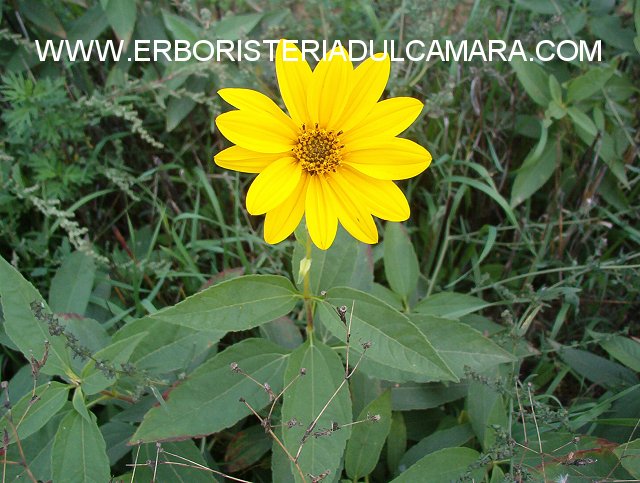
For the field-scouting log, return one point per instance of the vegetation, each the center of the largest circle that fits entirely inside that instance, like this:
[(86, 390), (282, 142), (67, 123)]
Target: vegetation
[(150, 334)]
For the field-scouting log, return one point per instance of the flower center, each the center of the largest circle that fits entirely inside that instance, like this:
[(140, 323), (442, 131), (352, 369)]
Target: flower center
[(318, 150)]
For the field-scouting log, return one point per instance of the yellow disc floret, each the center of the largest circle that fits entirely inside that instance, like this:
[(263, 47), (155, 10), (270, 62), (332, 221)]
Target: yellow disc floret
[(318, 150)]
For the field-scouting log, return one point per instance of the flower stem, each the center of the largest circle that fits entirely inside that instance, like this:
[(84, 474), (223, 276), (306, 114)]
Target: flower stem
[(306, 290)]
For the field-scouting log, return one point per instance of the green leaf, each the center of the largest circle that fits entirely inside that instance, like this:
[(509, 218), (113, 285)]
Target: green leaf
[(234, 27), (396, 341), (117, 353), (30, 414), (460, 345), (171, 473), (347, 262), (400, 260), (71, 286), (629, 455), (79, 405), (246, 448), (625, 349), (207, 401), (23, 328), (368, 438), (304, 401), (436, 441), (448, 464), (79, 453), (122, 17), (534, 176), (547, 7), (41, 15), (534, 80), (396, 441), (411, 396), (582, 121), (450, 305), (89, 26), (181, 28), (486, 408), (588, 84), (554, 89), (237, 304), (166, 347), (597, 369)]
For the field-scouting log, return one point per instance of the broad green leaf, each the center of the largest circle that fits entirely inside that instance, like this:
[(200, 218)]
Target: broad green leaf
[(396, 441), (28, 333), (184, 472), (597, 369), (89, 26), (581, 120), (122, 17), (282, 331), (347, 262), (237, 304), (179, 107), (166, 347), (30, 414), (588, 84), (436, 441), (539, 6), (246, 448), (116, 436), (450, 305), (115, 354), (412, 396), (486, 408), (280, 463), (460, 345), (41, 15), (400, 260), (304, 401), (207, 401), (625, 349), (450, 464), (181, 28), (534, 80), (79, 453), (609, 28), (629, 455), (395, 341), (367, 438), (234, 27), (79, 404), (71, 286), (554, 89), (533, 177)]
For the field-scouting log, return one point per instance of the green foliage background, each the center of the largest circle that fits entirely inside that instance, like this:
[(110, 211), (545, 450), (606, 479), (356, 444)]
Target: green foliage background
[(495, 333)]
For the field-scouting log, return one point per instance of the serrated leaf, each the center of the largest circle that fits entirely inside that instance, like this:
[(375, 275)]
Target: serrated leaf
[(396, 341), (448, 464), (79, 453), (71, 286), (116, 354), (460, 345), (347, 262), (207, 401), (368, 438), (534, 80), (304, 401), (450, 305), (400, 260), (29, 415), (122, 17), (29, 334), (237, 304)]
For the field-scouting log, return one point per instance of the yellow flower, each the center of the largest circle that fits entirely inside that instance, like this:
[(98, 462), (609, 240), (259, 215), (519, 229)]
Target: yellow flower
[(333, 158)]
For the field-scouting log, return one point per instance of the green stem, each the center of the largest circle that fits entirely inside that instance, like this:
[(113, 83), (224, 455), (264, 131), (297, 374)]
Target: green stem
[(306, 290)]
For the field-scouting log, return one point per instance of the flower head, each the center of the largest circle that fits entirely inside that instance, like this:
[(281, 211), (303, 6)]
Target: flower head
[(333, 157)]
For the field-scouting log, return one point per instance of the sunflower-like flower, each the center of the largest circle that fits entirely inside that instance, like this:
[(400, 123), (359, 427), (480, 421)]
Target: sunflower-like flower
[(333, 157)]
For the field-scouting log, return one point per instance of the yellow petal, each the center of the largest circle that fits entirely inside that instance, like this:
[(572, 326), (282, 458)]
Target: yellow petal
[(294, 77), (322, 221), (273, 185), (352, 212), (369, 81), (330, 87), (283, 219), (255, 131), (397, 158), (382, 197), (250, 100), (244, 160), (387, 118)]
